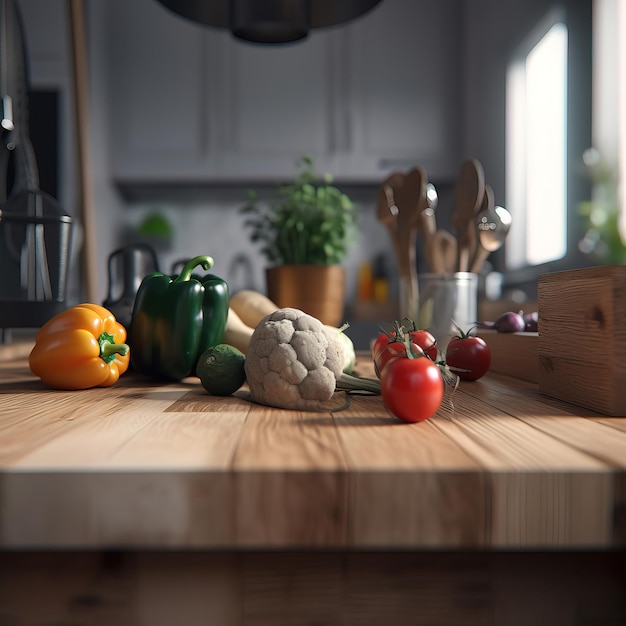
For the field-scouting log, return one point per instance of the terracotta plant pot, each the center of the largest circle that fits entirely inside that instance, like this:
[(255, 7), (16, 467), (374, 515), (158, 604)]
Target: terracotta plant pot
[(315, 289)]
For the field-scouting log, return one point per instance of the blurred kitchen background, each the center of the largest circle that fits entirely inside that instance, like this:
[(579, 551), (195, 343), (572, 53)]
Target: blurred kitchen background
[(183, 119)]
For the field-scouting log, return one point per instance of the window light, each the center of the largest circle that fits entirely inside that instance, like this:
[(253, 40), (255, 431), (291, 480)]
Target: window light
[(537, 150)]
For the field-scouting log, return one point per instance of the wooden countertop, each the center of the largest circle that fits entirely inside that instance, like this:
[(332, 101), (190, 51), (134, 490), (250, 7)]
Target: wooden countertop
[(145, 465)]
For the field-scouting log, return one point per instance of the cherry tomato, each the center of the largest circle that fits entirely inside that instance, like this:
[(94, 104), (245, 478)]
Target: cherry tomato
[(426, 341), (381, 341), (393, 350), (422, 338), (412, 389), (468, 357)]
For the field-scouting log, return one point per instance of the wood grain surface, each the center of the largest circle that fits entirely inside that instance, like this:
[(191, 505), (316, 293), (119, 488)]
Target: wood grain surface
[(151, 465), (581, 331), (513, 354)]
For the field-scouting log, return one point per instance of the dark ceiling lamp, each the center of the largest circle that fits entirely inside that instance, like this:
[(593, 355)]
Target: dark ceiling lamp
[(270, 21)]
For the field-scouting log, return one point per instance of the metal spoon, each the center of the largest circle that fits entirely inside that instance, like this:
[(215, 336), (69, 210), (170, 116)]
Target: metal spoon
[(428, 222), (428, 214), (492, 226), (440, 246)]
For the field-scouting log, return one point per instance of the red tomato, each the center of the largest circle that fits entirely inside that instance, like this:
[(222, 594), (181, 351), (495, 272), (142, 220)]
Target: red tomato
[(468, 357), (381, 341), (425, 341), (412, 389), (422, 338), (393, 350)]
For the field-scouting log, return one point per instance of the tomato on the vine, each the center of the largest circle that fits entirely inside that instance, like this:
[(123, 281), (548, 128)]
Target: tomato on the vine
[(412, 388), (468, 356), (393, 350), (381, 341), (426, 341)]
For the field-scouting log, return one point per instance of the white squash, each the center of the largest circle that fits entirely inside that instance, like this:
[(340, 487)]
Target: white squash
[(251, 306), (237, 333)]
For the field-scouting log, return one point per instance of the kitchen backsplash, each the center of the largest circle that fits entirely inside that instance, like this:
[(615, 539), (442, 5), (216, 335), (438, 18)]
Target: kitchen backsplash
[(214, 225)]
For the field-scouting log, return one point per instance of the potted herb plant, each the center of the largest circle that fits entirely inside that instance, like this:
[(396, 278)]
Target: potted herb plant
[(305, 234)]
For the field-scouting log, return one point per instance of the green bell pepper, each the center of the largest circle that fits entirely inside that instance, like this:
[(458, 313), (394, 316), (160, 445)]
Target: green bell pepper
[(175, 319)]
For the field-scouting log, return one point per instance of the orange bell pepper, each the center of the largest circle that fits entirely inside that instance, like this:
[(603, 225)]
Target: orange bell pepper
[(79, 348)]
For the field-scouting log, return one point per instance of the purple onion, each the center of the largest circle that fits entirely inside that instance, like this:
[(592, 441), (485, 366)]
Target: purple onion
[(510, 322)]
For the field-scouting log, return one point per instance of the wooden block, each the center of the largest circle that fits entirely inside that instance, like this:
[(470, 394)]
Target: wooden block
[(582, 337), (513, 354)]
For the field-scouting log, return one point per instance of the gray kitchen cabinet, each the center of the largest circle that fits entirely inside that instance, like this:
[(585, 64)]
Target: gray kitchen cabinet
[(276, 105), (404, 89), (160, 106), (192, 104)]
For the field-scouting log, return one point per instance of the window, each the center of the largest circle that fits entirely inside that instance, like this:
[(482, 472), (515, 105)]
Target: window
[(609, 98), (536, 147)]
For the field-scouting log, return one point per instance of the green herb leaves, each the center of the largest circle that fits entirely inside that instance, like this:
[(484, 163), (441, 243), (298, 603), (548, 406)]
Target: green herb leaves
[(310, 221)]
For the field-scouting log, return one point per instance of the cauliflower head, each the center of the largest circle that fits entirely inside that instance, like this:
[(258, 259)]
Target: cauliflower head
[(293, 361)]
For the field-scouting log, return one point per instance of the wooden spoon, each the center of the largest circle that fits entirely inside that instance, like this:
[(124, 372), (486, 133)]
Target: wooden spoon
[(411, 202), (469, 192), (443, 252), (387, 210)]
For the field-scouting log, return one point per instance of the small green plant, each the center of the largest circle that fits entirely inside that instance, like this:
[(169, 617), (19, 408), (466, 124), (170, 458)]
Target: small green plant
[(604, 239), (309, 222)]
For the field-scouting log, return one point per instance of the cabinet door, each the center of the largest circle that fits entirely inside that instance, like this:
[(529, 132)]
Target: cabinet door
[(276, 106), (158, 92), (193, 104), (404, 88), (190, 103)]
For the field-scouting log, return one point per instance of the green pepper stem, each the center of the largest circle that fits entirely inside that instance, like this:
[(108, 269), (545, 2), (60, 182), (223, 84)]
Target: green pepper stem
[(205, 261)]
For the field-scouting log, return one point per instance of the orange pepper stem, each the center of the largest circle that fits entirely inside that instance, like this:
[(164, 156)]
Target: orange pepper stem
[(108, 347)]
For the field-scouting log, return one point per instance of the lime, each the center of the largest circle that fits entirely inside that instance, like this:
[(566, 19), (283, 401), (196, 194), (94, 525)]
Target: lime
[(221, 369)]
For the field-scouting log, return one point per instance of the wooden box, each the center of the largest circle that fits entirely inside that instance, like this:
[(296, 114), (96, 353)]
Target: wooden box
[(582, 337), (513, 354)]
